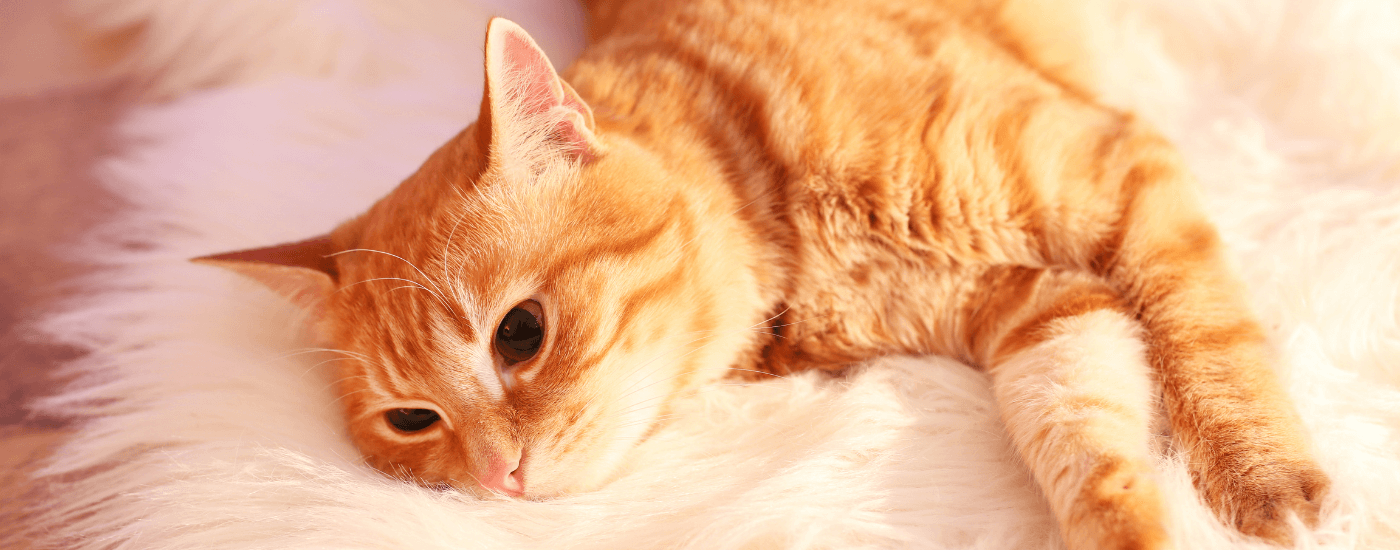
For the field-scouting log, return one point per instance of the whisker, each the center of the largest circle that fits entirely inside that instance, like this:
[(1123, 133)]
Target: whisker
[(461, 215), (474, 478), (303, 351), (415, 284), (309, 369), (350, 354), (332, 350), (392, 255), (337, 382), (334, 359), (348, 394), (779, 376), (400, 258)]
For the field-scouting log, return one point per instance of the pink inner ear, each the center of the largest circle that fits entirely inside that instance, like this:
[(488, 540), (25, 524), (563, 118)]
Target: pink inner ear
[(573, 103), (527, 66), (571, 136), (533, 88)]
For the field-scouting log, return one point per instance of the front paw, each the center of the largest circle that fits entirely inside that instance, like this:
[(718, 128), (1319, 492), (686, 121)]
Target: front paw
[(1118, 508), (1259, 498)]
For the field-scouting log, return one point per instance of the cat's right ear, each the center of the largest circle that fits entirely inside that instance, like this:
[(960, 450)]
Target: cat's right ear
[(525, 99), (302, 272)]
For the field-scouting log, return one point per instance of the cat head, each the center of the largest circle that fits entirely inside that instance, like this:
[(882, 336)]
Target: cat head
[(521, 311)]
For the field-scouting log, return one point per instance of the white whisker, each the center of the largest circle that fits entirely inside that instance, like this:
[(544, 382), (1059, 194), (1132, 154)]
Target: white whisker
[(438, 290), (759, 372), (414, 284), (447, 270), (348, 394)]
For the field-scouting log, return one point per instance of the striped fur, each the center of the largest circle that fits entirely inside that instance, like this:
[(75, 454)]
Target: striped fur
[(728, 187)]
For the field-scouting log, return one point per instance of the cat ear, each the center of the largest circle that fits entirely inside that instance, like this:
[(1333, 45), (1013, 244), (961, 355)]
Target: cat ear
[(525, 98), (303, 272)]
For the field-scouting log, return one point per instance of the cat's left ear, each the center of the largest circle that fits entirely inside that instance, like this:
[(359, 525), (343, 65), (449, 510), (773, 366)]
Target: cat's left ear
[(525, 98), (302, 272)]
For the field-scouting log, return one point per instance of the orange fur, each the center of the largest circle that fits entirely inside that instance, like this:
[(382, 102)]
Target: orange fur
[(774, 186)]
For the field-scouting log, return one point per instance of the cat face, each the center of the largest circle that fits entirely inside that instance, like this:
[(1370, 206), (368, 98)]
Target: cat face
[(518, 314), (545, 327)]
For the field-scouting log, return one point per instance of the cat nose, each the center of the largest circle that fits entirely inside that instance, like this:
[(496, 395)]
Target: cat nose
[(504, 475)]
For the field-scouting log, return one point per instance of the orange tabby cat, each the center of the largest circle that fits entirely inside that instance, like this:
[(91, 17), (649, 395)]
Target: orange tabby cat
[(781, 185)]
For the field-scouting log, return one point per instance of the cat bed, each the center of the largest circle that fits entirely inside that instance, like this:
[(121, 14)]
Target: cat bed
[(204, 422)]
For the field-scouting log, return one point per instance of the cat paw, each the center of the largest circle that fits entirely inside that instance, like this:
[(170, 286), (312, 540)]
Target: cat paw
[(1260, 501), (1119, 508)]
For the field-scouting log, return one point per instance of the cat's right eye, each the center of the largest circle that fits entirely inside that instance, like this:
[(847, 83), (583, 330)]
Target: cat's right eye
[(411, 420)]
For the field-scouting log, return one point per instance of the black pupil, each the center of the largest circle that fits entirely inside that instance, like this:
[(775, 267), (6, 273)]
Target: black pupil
[(519, 336), (411, 420)]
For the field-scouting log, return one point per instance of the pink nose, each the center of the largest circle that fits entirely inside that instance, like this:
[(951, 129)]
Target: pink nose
[(504, 475)]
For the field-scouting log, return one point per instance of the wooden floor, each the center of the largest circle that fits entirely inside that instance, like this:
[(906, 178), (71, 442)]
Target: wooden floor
[(58, 101)]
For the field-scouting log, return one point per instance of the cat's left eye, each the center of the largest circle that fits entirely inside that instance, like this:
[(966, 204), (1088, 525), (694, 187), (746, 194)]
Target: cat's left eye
[(521, 332)]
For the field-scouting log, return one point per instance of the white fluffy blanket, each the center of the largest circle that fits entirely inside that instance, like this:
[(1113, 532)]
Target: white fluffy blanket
[(203, 427)]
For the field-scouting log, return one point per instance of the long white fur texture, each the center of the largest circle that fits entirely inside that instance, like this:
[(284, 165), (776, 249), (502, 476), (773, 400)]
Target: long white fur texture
[(205, 425)]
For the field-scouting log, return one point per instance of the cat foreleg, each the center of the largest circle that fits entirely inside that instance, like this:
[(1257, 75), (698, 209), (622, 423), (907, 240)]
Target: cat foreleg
[(1073, 387), (1078, 408), (1249, 454)]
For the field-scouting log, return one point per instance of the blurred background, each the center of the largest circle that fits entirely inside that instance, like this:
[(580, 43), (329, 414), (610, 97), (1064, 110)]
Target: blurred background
[(58, 100), (63, 89)]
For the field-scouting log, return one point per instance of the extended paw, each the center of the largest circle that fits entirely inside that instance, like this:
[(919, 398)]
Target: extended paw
[(1260, 499), (1119, 508)]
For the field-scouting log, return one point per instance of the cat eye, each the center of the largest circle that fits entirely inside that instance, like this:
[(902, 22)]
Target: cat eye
[(411, 420), (521, 332)]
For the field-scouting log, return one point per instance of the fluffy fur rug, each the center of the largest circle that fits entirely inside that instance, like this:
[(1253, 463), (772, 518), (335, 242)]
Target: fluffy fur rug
[(204, 426)]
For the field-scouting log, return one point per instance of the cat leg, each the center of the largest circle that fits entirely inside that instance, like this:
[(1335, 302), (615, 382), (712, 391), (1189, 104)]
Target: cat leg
[(1073, 386), (1248, 453)]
